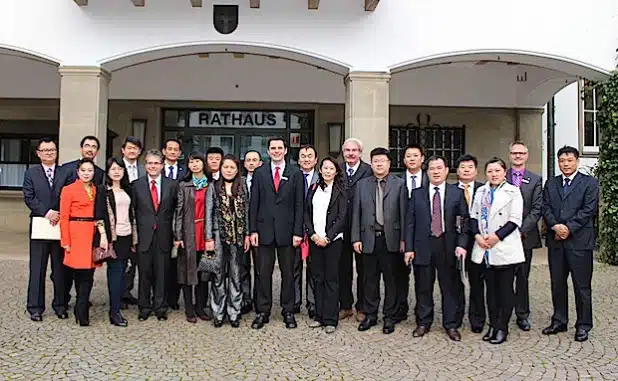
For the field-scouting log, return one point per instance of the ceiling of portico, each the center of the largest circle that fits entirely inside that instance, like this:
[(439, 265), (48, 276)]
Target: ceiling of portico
[(25, 74)]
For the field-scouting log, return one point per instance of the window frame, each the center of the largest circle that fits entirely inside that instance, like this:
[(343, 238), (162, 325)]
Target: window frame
[(587, 150), (30, 138)]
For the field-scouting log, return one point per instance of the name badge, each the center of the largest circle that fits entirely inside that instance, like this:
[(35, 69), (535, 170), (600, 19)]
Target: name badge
[(527, 181), (284, 178)]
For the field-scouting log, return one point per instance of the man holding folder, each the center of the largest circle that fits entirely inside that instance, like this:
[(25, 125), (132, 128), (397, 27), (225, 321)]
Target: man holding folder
[(42, 186)]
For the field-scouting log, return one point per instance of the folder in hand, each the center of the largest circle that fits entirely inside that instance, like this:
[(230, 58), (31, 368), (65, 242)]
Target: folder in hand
[(43, 229)]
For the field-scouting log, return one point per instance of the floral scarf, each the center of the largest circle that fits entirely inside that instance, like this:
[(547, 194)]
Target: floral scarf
[(200, 182), (486, 201), (233, 214)]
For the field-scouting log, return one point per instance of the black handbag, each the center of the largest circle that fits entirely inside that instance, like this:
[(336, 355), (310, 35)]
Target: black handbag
[(209, 263)]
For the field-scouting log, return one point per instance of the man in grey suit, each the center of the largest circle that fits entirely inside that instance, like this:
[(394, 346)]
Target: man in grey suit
[(531, 188), (308, 160), (378, 216)]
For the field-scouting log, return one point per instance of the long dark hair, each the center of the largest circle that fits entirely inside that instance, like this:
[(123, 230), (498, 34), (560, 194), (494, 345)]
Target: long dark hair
[(197, 156), (237, 183), (124, 181), (338, 180)]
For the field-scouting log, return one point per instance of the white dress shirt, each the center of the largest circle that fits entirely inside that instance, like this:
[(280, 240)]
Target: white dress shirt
[(569, 177), (167, 170), (48, 167), (157, 184), (216, 175), (131, 170), (442, 190), (418, 180), (321, 199), (309, 177), (248, 181), (354, 168), (281, 169)]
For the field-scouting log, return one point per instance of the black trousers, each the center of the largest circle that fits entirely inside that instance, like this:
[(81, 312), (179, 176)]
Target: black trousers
[(248, 292), (563, 262), (153, 274), (298, 282), (522, 295), (402, 277), (325, 270), (264, 267), (84, 279), (346, 277), (449, 281), (40, 252), (173, 288), (477, 274), (380, 262), (500, 295), (194, 305), (130, 265)]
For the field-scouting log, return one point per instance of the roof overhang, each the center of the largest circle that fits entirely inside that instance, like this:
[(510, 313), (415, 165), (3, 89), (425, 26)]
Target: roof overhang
[(370, 5)]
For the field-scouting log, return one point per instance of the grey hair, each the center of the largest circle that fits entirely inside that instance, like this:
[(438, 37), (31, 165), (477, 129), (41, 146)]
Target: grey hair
[(155, 153), (354, 141), (517, 143)]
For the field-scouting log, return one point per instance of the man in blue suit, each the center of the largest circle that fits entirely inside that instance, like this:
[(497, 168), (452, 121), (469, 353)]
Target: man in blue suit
[(570, 202), (42, 185)]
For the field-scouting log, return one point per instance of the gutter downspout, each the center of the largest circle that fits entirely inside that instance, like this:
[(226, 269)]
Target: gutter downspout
[(551, 149)]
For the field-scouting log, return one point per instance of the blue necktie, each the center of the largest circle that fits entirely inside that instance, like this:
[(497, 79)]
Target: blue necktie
[(350, 174), (567, 181), (306, 185), (171, 175)]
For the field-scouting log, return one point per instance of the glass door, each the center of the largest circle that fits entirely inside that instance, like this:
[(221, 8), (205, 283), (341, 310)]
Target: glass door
[(202, 142)]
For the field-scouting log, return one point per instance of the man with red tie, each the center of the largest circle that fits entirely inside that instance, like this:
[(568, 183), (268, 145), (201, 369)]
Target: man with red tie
[(154, 196), (276, 225)]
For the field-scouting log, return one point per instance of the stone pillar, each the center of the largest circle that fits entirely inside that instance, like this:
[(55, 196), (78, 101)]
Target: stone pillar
[(83, 110), (366, 109)]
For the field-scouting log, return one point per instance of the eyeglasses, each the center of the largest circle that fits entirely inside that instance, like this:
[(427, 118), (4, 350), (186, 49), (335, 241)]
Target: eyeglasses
[(48, 150), (518, 153), (153, 163)]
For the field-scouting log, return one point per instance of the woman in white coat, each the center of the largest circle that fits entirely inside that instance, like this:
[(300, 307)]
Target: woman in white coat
[(495, 219)]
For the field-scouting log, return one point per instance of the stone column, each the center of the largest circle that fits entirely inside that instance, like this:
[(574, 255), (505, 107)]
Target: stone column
[(84, 93), (366, 109)]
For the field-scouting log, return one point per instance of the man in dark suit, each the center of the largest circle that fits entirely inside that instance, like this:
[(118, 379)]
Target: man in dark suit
[(570, 203), (276, 225), (467, 170), (531, 186), (378, 217), (415, 177), (131, 150), (173, 170), (42, 186), (307, 160), (90, 149), (435, 239), (354, 170), (155, 201)]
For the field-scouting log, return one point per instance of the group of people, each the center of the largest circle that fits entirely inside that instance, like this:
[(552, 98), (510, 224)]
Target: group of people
[(203, 229)]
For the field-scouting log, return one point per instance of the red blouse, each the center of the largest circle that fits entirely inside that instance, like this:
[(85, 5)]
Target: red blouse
[(200, 215)]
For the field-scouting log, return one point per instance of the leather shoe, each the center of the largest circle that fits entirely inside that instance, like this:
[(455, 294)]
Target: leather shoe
[(389, 326), (192, 319), (63, 315), (453, 334), (499, 337), (366, 324), (554, 328), (217, 323), (235, 323), (523, 324), (581, 335), (344, 314), (259, 321), (290, 321), (162, 317), (491, 333), (36, 317), (143, 316), (117, 320), (477, 329), (420, 331)]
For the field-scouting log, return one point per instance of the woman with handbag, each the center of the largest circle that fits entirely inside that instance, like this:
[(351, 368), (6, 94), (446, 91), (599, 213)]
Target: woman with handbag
[(189, 234), (77, 234), (495, 218), (325, 219), (116, 230), (227, 233)]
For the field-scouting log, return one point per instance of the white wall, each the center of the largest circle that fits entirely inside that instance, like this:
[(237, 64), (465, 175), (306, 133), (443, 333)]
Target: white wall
[(397, 32)]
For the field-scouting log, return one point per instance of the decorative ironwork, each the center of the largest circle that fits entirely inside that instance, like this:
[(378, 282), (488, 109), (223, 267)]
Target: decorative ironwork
[(436, 139)]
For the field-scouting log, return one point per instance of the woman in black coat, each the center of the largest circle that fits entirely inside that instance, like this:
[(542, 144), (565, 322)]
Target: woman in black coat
[(115, 222), (325, 219)]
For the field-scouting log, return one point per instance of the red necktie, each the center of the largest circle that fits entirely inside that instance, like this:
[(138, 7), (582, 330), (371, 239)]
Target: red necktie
[(154, 193), (277, 179)]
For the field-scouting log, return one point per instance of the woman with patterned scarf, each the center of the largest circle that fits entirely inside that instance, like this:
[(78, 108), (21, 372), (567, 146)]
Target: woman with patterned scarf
[(495, 218), (190, 236), (227, 232)]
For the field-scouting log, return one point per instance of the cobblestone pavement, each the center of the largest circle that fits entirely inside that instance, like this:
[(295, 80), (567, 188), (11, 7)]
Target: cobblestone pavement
[(176, 350)]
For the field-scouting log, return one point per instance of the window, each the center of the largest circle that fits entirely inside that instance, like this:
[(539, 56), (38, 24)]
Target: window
[(447, 141), (17, 153), (589, 133)]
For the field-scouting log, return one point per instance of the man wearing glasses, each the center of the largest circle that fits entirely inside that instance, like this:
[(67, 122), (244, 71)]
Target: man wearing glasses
[(89, 149)]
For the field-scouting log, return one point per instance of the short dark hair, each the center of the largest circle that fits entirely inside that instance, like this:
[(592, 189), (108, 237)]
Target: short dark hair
[(414, 146), (85, 160), (496, 160), (45, 139), (90, 137), (276, 139), (466, 157), (133, 140), (215, 150), (177, 141), (307, 147), (254, 151), (380, 151), (566, 150), (438, 157)]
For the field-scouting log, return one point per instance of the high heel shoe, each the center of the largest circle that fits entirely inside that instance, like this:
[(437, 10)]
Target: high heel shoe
[(81, 319), (491, 333), (499, 337), (118, 320)]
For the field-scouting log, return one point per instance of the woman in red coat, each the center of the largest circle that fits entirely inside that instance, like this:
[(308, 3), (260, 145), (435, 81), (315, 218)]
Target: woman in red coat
[(77, 233)]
